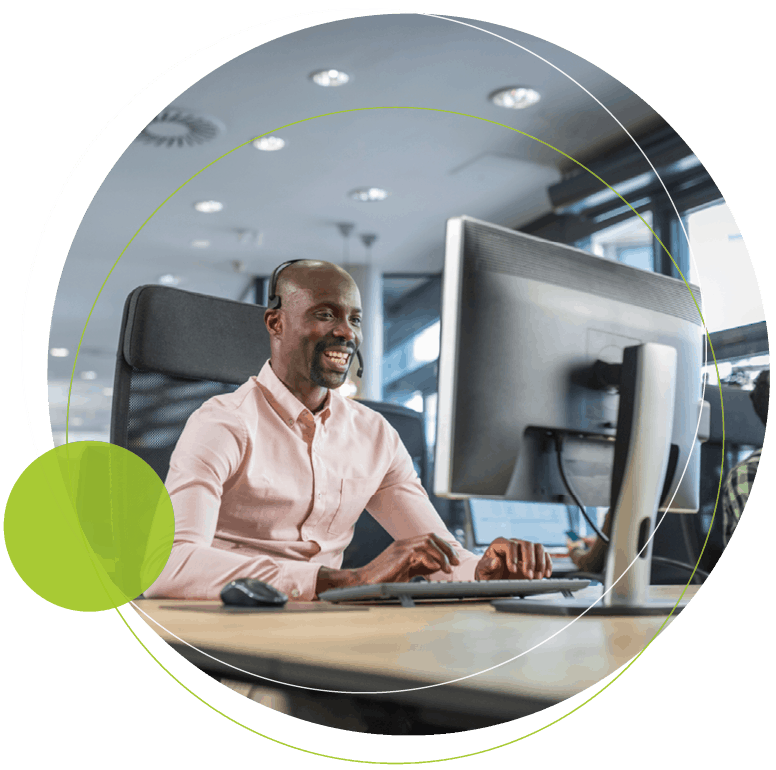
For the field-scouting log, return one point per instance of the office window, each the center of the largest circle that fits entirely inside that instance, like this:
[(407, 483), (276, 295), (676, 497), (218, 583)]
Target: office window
[(720, 265), (414, 401), (629, 242), (741, 372), (425, 346), (430, 411)]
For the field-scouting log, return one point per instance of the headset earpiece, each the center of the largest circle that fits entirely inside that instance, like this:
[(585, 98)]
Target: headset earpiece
[(273, 301)]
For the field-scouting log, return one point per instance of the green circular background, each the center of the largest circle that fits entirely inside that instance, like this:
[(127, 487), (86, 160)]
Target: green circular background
[(89, 526)]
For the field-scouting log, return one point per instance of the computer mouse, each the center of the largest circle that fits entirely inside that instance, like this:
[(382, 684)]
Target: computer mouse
[(249, 592)]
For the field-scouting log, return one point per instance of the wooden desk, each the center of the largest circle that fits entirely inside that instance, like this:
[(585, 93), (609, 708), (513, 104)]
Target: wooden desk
[(394, 648)]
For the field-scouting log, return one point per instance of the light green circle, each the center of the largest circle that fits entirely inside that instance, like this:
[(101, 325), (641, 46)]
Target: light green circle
[(89, 526)]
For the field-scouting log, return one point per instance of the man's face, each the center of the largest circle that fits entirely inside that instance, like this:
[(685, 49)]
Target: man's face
[(322, 330)]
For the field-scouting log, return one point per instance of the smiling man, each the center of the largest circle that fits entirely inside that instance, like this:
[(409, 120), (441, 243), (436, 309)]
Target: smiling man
[(268, 481)]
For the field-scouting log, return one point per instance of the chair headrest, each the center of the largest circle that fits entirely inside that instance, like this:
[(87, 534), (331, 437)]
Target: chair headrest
[(183, 334)]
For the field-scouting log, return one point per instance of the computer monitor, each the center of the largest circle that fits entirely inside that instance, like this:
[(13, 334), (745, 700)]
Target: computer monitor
[(540, 523), (539, 340)]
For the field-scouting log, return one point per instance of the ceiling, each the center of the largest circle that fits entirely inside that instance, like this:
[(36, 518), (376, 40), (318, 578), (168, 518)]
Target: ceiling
[(388, 130)]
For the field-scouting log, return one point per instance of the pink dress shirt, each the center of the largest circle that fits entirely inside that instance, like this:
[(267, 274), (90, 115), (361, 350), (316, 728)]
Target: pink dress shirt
[(263, 488)]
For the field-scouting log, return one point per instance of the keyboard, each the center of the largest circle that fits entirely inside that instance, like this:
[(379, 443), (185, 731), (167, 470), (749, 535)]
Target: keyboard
[(445, 590)]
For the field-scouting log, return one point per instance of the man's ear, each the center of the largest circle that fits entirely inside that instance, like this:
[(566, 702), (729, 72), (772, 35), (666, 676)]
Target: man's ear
[(273, 320)]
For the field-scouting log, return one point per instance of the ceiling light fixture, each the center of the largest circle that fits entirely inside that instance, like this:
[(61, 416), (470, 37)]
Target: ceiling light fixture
[(169, 280), (368, 194), (208, 207), (175, 128), (328, 78), (515, 98), (269, 143), (59, 352), (88, 375), (201, 244)]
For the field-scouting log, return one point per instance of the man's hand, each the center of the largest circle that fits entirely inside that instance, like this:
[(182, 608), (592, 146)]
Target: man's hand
[(578, 548), (401, 561), (513, 560)]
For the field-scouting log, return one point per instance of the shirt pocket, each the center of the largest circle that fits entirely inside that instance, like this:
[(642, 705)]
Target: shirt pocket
[(354, 496)]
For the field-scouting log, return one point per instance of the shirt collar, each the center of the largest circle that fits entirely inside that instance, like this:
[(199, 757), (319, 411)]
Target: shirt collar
[(286, 404)]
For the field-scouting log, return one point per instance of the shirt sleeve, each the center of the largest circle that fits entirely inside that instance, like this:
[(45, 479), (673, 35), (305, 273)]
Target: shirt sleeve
[(208, 453), (403, 508)]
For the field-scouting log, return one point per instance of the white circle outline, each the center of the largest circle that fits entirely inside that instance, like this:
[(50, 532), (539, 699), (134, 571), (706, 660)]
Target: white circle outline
[(387, 10)]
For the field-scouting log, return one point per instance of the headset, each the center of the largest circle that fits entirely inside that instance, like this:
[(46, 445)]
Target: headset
[(273, 303)]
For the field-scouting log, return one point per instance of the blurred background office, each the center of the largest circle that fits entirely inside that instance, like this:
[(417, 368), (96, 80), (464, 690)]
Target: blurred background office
[(373, 131)]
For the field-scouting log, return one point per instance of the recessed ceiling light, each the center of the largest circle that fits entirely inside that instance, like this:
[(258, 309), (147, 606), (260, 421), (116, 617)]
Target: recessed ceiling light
[(59, 352), (516, 98), (107, 391), (88, 375), (269, 143), (368, 194), (169, 280), (77, 422), (200, 244), (330, 77), (208, 207)]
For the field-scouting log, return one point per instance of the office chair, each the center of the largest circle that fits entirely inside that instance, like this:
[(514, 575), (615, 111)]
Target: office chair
[(682, 537), (177, 349)]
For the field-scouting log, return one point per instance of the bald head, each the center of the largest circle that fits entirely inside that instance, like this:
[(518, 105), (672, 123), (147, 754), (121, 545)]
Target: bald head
[(316, 330), (306, 275)]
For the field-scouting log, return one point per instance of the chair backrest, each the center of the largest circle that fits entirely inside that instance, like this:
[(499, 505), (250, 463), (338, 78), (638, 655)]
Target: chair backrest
[(176, 350), (410, 426)]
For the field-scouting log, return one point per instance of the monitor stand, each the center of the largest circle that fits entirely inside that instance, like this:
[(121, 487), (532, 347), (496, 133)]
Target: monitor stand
[(643, 443)]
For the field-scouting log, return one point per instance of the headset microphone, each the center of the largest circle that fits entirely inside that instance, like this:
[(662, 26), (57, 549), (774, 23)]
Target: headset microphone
[(360, 364)]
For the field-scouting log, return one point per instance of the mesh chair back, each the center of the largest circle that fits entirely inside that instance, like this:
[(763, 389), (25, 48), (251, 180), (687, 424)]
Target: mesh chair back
[(176, 350)]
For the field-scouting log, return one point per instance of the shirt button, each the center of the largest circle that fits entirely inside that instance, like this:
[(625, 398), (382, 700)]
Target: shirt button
[(290, 422), (295, 592)]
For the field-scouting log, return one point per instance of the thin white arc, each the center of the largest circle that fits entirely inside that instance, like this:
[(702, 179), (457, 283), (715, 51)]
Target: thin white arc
[(308, 13), (651, 165), (594, 98)]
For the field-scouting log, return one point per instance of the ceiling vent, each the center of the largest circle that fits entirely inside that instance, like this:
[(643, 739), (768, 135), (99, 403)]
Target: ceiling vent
[(178, 128)]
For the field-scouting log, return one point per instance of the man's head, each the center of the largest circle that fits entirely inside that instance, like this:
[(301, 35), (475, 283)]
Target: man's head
[(316, 331), (759, 396)]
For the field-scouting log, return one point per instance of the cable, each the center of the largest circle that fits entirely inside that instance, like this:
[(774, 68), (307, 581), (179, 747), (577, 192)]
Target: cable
[(659, 559), (675, 563), (559, 450)]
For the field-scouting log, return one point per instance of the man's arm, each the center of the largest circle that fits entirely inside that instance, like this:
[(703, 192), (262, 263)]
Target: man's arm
[(593, 557), (402, 560), (207, 454), (403, 508)]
